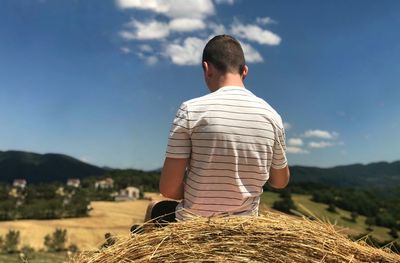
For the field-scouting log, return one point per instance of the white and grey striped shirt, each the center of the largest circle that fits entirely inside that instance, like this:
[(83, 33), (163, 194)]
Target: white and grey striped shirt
[(232, 138)]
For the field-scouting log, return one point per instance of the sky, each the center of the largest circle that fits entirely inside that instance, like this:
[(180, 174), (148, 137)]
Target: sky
[(102, 80)]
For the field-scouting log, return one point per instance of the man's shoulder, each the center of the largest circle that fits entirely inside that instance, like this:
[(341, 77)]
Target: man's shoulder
[(271, 112), (198, 99)]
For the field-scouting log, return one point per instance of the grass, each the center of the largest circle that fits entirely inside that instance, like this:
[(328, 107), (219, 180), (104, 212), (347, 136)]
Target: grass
[(38, 257), (340, 218)]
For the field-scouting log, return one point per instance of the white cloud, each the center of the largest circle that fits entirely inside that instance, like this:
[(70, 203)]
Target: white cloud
[(151, 60), (176, 29), (251, 54), (321, 134), (187, 53), (186, 24), (265, 20), (295, 142), (255, 33), (287, 125), (296, 150), (172, 8), (229, 2), (146, 48), (319, 145), (145, 30), (217, 29), (125, 50)]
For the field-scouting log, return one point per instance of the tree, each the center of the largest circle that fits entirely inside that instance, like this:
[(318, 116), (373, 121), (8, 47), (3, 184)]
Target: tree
[(1, 243), (285, 205), (354, 216), (11, 241), (393, 233), (331, 208), (56, 241)]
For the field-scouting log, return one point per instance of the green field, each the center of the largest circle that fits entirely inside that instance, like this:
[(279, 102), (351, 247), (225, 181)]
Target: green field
[(37, 257), (341, 218)]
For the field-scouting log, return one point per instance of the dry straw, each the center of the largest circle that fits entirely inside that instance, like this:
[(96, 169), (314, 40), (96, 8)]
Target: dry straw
[(269, 238)]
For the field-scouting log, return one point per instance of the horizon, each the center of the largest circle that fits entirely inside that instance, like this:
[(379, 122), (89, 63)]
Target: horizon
[(102, 82), (151, 170)]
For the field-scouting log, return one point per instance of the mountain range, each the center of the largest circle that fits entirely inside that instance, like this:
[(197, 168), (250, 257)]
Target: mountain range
[(41, 168)]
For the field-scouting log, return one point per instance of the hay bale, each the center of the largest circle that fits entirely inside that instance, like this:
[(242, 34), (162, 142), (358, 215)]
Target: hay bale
[(269, 238)]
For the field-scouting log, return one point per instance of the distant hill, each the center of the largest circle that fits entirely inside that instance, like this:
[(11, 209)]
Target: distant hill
[(374, 175), (49, 167), (59, 167)]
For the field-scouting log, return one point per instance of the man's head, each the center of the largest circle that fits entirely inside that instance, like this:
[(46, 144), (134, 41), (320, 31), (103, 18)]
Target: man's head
[(223, 56)]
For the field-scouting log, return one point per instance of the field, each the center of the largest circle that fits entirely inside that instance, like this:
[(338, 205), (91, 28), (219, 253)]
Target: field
[(340, 218), (117, 218), (87, 233)]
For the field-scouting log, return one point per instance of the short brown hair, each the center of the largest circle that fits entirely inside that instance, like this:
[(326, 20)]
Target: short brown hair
[(225, 53)]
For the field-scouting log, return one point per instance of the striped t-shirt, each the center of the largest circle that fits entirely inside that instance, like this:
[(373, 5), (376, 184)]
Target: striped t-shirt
[(232, 138)]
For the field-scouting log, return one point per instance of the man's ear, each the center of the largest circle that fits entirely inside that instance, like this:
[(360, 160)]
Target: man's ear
[(245, 72), (207, 69)]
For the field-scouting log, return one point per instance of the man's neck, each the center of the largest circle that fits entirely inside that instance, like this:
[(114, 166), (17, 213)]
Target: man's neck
[(229, 79)]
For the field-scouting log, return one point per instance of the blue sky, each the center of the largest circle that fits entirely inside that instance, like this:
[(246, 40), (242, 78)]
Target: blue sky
[(102, 80)]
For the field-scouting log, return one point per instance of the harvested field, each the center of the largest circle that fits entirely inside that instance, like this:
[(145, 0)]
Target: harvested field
[(88, 232), (269, 238)]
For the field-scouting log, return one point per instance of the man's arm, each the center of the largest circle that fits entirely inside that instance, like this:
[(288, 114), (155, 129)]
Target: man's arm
[(171, 181), (279, 178)]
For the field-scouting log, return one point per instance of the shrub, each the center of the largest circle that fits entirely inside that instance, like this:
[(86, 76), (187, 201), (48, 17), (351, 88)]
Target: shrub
[(11, 241), (27, 253), (56, 241), (73, 248)]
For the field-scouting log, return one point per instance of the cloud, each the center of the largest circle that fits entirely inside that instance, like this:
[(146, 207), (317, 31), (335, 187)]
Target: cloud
[(251, 55), (295, 142), (187, 53), (296, 150), (145, 30), (321, 134), (186, 24), (125, 50), (265, 20), (255, 33), (172, 8), (321, 144), (146, 48), (148, 59), (217, 29), (177, 29), (229, 2), (287, 125)]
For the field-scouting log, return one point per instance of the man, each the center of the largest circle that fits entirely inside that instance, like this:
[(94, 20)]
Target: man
[(223, 147)]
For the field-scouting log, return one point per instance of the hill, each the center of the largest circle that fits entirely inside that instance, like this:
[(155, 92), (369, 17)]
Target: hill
[(40, 168), (373, 175)]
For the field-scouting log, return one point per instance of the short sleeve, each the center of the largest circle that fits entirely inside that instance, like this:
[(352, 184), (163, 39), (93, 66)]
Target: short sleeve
[(179, 143), (279, 159)]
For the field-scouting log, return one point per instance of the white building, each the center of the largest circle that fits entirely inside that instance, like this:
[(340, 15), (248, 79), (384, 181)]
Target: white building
[(107, 183), (74, 182), (20, 183), (129, 193)]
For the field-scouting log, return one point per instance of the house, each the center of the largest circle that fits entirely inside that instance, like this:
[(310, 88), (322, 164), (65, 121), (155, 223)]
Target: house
[(129, 193), (74, 182), (107, 183), (19, 183)]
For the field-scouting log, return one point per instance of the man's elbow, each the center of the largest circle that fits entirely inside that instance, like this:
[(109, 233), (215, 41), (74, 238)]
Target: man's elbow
[(279, 185), (279, 178), (170, 193)]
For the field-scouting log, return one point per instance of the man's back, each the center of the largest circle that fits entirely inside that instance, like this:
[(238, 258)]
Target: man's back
[(232, 138)]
